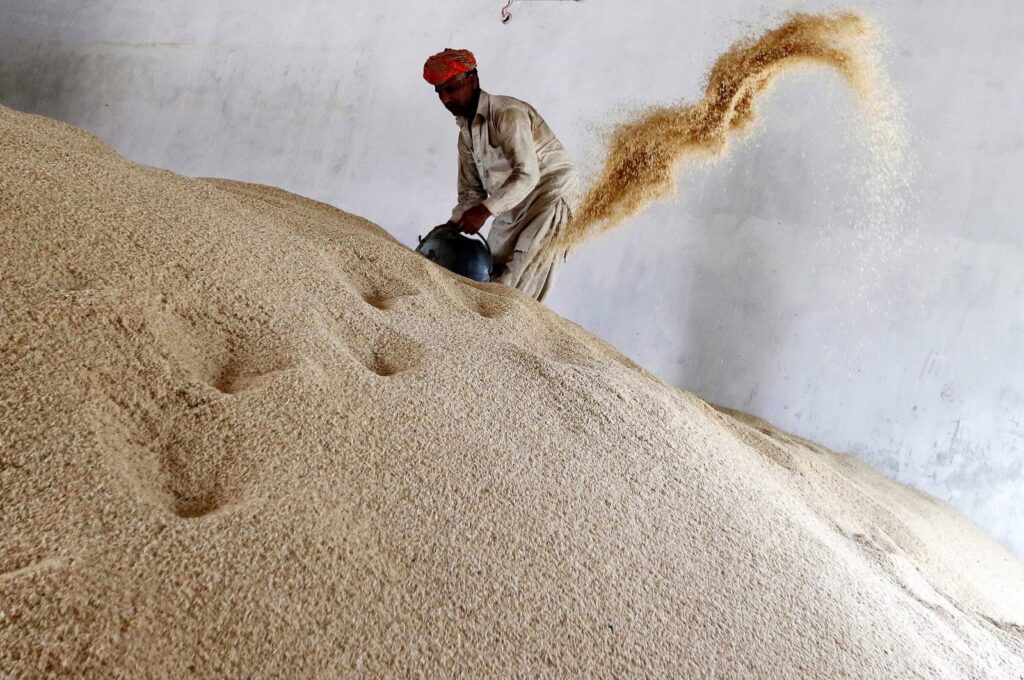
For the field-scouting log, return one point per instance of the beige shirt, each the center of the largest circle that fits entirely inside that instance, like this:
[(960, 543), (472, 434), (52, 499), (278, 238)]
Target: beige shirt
[(510, 160)]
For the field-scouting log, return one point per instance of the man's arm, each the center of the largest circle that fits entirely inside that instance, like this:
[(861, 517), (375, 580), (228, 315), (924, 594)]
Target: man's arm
[(515, 134), (471, 188)]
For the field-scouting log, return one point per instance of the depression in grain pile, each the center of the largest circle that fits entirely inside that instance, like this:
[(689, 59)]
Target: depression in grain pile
[(227, 448)]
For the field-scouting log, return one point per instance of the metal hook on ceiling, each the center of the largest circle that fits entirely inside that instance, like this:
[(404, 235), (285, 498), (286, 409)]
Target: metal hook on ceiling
[(506, 14)]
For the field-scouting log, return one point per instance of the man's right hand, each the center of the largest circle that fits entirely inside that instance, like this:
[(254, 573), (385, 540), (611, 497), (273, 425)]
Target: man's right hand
[(473, 219)]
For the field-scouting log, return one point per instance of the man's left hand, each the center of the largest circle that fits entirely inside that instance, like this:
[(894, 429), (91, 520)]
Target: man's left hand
[(473, 219)]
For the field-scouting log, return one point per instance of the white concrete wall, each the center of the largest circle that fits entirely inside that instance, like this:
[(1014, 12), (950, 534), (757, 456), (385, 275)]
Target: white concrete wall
[(750, 288)]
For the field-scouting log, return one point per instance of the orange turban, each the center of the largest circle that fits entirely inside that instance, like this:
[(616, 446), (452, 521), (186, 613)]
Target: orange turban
[(447, 64)]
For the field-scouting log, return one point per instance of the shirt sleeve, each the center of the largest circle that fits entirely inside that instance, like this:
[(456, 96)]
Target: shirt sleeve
[(515, 135), (471, 188)]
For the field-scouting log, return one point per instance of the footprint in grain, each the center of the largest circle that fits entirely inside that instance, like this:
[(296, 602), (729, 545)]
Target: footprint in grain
[(383, 294), (192, 479), (377, 291), (194, 506), (485, 299), (490, 306), (234, 378), (381, 298), (392, 354)]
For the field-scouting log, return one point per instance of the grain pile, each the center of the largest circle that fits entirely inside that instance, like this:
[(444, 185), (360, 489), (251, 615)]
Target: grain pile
[(646, 154), (245, 434)]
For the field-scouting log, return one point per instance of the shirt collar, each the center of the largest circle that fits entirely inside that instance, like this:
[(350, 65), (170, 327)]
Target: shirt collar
[(483, 109)]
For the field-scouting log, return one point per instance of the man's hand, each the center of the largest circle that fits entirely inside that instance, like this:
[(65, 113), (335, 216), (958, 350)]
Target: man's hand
[(473, 219)]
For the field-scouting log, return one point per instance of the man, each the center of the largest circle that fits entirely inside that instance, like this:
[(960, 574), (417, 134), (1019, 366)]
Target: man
[(511, 167)]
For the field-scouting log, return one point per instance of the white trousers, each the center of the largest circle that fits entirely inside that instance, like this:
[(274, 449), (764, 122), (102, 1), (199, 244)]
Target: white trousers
[(532, 265)]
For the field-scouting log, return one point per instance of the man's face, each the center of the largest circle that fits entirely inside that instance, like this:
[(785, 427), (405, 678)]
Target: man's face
[(457, 92)]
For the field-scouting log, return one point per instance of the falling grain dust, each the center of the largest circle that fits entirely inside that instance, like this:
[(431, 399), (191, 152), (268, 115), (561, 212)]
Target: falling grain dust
[(645, 155)]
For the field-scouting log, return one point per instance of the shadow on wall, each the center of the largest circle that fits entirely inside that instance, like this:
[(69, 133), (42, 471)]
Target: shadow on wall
[(275, 116), (48, 83)]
